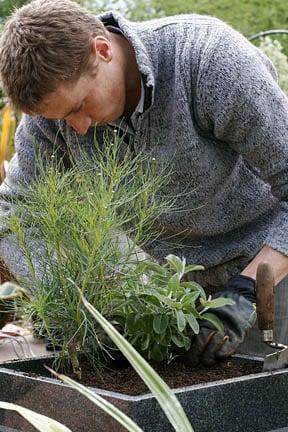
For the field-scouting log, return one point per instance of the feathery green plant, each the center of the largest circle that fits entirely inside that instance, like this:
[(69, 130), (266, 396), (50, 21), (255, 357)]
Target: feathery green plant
[(76, 217)]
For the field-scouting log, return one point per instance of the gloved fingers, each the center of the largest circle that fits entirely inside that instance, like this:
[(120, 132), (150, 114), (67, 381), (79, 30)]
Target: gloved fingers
[(228, 349), (199, 344), (236, 336), (207, 346), (217, 343), (235, 340)]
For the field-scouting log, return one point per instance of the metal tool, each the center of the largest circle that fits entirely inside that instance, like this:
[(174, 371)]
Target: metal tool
[(265, 290)]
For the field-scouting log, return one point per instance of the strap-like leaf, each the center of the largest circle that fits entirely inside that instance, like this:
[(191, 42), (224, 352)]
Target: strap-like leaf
[(39, 421), (102, 403), (158, 387)]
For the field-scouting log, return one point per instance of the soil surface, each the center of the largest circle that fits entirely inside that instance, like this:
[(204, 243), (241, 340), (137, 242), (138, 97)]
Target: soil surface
[(175, 375)]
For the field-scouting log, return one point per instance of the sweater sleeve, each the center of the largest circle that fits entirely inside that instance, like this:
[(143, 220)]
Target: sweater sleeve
[(34, 135), (240, 103)]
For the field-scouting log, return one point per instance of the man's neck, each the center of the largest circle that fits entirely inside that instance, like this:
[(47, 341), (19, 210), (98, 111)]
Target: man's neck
[(132, 74)]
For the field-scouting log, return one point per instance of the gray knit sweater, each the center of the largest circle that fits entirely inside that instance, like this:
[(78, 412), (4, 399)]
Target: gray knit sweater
[(214, 113)]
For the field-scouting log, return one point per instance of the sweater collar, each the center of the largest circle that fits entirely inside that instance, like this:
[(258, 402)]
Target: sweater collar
[(129, 30)]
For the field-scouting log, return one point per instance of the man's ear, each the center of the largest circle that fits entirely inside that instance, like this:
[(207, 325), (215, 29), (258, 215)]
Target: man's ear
[(101, 47)]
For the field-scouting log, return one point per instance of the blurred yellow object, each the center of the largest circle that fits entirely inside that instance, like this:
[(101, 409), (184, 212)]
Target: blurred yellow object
[(8, 126)]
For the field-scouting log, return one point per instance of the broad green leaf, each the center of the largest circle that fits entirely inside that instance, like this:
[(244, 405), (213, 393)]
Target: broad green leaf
[(215, 321), (178, 340), (102, 403), (193, 323), (174, 282), (191, 267), (218, 302), (190, 309), (39, 421), (145, 324), (181, 340), (176, 263), (190, 298), (156, 352), (178, 294), (135, 339), (150, 299), (160, 323), (154, 382), (144, 266), (145, 342), (194, 286), (163, 299), (130, 322), (159, 282), (181, 321), (187, 342), (155, 273), (165, 338), (10, 290)]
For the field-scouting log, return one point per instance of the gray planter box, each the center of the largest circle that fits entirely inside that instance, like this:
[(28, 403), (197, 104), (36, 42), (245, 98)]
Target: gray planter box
[(254, 403)]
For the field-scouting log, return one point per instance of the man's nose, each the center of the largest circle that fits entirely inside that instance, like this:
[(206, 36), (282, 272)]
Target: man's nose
[(80, 123)]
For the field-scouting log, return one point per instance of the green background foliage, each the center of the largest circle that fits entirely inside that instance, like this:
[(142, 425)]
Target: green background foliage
[(248, 16), (7, 6)]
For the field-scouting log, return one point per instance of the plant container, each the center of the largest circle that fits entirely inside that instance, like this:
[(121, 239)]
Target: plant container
[(252, 403)]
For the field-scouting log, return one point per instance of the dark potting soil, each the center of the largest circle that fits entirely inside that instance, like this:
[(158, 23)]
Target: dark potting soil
[(175, 374)]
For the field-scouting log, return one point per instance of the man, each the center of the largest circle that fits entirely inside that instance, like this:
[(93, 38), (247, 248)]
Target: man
[(192, 93)]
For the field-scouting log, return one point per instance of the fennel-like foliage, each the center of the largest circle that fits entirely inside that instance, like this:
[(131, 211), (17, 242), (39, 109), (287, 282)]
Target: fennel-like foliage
[(76, 219)]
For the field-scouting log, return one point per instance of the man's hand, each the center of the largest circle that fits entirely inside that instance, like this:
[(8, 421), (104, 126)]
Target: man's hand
[(209, 345)]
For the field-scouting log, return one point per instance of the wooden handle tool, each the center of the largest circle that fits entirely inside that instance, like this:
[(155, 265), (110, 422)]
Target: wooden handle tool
[(265, 283)]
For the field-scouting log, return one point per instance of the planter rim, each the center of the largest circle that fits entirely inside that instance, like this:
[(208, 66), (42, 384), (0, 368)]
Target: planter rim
[(143, 396)]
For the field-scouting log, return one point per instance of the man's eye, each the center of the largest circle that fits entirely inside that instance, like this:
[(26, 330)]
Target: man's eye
[(74, 111), (78, 109)]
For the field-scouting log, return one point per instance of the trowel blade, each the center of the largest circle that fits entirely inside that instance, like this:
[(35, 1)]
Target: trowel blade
[(276, 360)]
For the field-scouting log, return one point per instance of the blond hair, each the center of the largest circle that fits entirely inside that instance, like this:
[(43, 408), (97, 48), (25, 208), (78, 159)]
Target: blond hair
[(44, 43)]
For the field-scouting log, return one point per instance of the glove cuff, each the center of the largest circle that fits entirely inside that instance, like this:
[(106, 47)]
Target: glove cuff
[(243, 285)]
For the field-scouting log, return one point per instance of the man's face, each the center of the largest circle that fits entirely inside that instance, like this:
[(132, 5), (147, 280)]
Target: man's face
[(95, 98)]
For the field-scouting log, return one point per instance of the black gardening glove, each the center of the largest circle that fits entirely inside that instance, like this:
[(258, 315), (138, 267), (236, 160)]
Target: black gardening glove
[(209, 345)]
